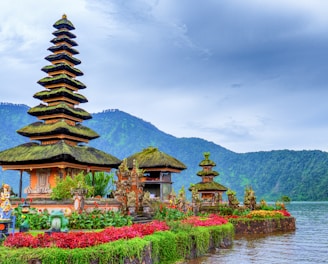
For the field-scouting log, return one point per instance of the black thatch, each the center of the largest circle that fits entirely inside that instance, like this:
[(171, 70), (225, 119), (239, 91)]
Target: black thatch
[(64, 39), (62, 66), (63, 56), (61, 152), (63, 47), (207, 173), (63, 31), (60, 79), (153, 158), (62, 108), (64, 23), (209, 186), (63, 91), (60, 127)]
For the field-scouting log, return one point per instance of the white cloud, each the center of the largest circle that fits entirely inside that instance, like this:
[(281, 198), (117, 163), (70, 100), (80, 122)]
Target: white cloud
[(248, 75)]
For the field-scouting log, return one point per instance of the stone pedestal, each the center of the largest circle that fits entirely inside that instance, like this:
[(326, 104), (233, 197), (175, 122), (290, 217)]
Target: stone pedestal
[(4, 227)]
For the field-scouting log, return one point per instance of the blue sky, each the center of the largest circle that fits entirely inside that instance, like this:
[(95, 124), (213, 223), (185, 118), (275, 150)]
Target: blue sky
[(248, 75)]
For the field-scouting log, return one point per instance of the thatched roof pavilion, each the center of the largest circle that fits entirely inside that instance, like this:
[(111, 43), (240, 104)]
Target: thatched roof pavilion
[(151, 159), (157, 167)]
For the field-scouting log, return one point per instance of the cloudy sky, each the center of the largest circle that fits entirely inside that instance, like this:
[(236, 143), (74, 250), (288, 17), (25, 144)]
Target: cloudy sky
[(248, 75)]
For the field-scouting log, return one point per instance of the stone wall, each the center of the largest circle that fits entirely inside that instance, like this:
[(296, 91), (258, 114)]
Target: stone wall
[(265, 226)]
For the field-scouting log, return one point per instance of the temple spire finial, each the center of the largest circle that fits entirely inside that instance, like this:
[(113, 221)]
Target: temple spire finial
[(64, 16)]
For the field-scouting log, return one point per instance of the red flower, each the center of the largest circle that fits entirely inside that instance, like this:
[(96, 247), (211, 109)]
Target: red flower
[(210, 221), (82, 239)]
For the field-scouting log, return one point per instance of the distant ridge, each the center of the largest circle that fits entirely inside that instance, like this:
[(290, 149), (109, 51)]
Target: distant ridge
[(301, 175)]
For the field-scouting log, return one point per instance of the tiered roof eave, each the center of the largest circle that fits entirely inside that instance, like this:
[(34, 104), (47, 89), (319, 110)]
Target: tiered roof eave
[(60, 127), (34, 154)]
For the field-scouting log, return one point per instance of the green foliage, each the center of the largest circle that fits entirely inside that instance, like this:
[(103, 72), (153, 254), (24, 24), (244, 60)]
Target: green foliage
[(225, 210), (114, 252), (285, 199), (102, 182), (37, 219), (201, 237), (63, 187), (170, 214), (164, 248), (96, 219)]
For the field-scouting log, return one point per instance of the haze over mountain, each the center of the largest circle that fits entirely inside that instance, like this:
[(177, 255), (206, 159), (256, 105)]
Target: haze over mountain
[(301, 175)]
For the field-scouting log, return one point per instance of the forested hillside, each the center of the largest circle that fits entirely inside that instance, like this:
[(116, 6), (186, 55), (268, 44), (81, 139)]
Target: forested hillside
[(301, 175)]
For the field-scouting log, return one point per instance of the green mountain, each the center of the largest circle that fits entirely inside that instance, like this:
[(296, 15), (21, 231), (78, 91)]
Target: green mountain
[(301, 175)]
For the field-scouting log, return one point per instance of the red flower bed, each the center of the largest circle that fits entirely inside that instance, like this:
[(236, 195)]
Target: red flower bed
[(209, 221), (84, 239), (284, 213)]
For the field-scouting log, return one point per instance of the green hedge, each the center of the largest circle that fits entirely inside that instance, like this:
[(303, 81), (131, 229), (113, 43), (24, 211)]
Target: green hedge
[(165, 246)]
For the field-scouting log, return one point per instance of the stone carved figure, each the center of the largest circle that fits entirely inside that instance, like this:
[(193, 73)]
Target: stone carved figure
[(232, 199), (5, 208), (249, 198), (131, 202), (146, 200), (181, 199), (58, 222)]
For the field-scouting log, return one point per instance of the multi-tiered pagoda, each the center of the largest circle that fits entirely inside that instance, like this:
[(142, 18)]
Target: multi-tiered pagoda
[(58, 144), (209, 192)]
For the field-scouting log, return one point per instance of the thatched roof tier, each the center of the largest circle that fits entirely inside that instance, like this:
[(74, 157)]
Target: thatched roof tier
[(60, 127), (61, 66), (207, 161), (33, 153), (62, 56), (61, 92), (151, 158), (207, 173), (63, 32), (63, 39), (64, 23), (63, 47), (63, 108), (61, 78), (209, 186)]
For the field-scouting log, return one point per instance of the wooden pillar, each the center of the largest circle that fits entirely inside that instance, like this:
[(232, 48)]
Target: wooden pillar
[(20, 183)]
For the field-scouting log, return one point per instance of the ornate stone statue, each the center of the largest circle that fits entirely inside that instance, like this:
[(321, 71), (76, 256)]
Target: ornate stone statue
[(146, 204), (181, 199), (232, 199), (146, 200), (5, 208), (131, 202), (250, 198)]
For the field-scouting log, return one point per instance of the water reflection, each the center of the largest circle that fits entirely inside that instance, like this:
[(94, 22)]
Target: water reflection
[(308, 244)]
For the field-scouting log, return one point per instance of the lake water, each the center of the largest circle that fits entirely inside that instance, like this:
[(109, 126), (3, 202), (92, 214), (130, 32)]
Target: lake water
[(308, 244)]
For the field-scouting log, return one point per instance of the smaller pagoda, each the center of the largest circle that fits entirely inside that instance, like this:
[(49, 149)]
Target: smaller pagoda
[(207, 192)]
